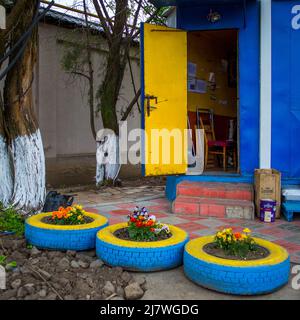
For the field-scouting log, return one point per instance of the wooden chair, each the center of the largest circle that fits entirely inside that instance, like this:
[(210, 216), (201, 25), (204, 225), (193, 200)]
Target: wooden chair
[(212, 146)]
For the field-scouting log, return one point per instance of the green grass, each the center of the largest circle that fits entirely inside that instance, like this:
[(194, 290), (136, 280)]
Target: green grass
[(10, 220)]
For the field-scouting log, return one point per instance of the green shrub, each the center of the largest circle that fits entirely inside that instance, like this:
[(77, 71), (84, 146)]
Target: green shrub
[(10, 220)]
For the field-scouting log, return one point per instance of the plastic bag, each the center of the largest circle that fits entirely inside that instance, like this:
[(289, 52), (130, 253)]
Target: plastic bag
[(54, 200)]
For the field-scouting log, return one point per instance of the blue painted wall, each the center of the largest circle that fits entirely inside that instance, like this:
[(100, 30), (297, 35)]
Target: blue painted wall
[(247, 21), (285, 91)]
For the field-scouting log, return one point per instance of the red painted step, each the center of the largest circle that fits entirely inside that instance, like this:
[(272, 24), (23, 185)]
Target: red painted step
[(213, 207), (214, 199), (238, 191)]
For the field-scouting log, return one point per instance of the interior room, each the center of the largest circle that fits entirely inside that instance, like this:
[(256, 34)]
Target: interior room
[(213, 96)]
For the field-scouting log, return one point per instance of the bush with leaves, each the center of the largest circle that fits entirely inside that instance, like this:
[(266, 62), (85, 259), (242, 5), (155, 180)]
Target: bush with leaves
[(11, 221)]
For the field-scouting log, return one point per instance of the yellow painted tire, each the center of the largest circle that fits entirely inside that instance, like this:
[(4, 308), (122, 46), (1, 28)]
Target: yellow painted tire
[(141, 256), (63, 237), (235, 276)]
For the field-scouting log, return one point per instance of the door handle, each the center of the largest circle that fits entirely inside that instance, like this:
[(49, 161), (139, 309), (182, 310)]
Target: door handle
[(149, 107)]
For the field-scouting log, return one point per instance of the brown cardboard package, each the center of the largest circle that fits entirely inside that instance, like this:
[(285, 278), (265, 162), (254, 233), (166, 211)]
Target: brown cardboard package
[(267, 185)]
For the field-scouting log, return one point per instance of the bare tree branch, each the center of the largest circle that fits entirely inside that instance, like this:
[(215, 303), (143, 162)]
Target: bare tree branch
[(81, 74), (131, 105), (108, 18), (103, 21)]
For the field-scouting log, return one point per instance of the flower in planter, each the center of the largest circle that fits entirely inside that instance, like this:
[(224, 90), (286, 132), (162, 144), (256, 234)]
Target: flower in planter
[(235, 243), (142, 226), (69, 216)]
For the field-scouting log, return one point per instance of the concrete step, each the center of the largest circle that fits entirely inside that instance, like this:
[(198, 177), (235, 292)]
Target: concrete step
[(236, 191), (213, 207)]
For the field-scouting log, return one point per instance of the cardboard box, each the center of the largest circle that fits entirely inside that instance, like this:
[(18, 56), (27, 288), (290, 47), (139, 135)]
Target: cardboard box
[(267, 185)]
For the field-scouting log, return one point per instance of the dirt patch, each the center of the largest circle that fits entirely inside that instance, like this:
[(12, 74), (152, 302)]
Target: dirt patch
[(213, 250), (69, 275), (48, 220), (124, 235)]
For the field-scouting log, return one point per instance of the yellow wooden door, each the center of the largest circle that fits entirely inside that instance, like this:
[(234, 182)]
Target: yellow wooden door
[(164, 95)]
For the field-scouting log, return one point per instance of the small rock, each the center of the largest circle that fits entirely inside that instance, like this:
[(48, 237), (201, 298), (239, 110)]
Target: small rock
[(51, 296), (30, 288), (69, 297), (16, 284), (90, 253), (35, 251), (84, 257), (141, 280), (21, 293), (45, 274), (64, 281), (74, 264), (63, 263), (133, 291), (126, 277), (120, 291), (83, 264), (108, 288), (71, 253), (42, 293), (34, 261), (96, 264), (88, 297), (82, 275)]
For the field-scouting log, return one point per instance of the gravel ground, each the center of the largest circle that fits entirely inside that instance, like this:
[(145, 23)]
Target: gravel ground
[(70, 275)]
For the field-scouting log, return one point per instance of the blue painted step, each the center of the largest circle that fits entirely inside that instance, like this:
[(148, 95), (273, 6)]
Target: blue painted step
[(289, 208)]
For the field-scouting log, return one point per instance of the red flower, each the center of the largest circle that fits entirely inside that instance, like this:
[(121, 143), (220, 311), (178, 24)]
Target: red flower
[(132, 219), (152, 229), (139, 224)]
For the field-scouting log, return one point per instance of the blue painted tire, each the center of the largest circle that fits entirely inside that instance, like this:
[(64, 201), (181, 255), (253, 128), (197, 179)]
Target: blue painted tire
[(234, 276), (141, 256), (63, 237)]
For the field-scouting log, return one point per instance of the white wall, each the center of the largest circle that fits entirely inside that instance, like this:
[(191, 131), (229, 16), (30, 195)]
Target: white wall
[(63, 101)]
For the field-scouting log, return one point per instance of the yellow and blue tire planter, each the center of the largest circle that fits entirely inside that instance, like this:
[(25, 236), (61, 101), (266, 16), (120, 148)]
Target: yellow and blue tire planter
[(63, 237), (141, 256), (238, 277)]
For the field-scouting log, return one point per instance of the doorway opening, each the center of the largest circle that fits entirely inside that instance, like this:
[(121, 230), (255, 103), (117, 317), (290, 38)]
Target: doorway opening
[(213, 97)]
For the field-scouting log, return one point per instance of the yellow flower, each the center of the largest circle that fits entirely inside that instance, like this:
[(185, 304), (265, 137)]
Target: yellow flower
[(79, 217), (228, 231), (246, 230)]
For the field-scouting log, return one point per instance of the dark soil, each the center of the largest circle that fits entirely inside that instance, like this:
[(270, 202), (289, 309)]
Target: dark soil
[(48, 220), (213, 250), (124, 235)]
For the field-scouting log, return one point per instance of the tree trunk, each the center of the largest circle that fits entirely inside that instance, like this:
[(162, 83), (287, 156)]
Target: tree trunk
[(23, 132), (6, 184), (108, 144)]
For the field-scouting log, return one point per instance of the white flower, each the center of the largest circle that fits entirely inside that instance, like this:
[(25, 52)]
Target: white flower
[(152, 217)]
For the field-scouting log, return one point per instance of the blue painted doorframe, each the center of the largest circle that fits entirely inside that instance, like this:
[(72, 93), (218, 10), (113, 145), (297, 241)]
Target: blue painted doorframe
[(195, 18)]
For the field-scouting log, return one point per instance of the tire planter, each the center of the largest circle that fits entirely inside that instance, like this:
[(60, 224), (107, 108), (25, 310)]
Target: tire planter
[(66, 237), (141, 256), (250, 277)]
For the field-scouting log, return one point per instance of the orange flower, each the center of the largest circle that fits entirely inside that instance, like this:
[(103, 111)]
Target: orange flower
[(237, 235)]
